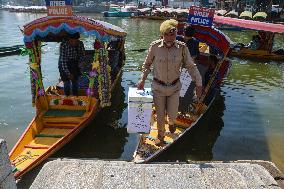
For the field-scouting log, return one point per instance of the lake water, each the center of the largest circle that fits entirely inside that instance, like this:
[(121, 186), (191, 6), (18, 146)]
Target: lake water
[(245, 122)]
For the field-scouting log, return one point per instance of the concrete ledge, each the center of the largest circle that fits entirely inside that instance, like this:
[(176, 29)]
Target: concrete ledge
[(7, 180), (76, 173)]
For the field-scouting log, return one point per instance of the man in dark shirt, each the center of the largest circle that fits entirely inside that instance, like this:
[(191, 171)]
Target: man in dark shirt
[(193, 47), (71, 53), (191, 42)]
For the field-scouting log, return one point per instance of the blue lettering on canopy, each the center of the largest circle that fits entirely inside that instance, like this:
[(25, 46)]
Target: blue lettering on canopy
[(200, 20), (58, 2)]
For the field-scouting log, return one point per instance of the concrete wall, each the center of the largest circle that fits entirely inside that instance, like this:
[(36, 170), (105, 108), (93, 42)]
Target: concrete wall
[(7, 180)]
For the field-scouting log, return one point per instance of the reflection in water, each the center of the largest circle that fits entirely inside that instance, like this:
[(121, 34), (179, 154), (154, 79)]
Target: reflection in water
[(257, 76), (104, 137), (198, 143)]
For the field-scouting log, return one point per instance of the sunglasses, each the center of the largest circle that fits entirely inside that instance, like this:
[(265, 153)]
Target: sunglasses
[(172, 32)]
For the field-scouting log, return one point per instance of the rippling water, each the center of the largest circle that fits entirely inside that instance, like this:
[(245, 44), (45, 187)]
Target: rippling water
[(245, 122)]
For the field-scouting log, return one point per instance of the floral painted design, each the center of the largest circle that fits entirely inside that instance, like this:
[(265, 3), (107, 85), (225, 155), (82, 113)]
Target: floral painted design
[(68, 102)]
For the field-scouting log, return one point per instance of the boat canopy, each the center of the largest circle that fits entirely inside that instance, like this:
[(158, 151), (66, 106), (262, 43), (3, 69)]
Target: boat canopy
[(213, 37), (144, 10), (54, 28), (232, 14), (250, 24), (221, 12), (245, 14), (180, 11), (260, 14)]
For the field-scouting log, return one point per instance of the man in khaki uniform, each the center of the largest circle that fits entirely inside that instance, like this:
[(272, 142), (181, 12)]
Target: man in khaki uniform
[(167, 56)]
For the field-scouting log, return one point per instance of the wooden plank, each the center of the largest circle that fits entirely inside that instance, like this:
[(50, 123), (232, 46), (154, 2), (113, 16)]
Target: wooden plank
[(61, 124), (27, 156), (58, 127), (36, 147), (49, 135), (42, 141), (55, 131), (64, 113)]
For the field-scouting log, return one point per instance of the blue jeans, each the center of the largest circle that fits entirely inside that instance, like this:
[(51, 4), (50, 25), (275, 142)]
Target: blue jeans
[(67, 86)]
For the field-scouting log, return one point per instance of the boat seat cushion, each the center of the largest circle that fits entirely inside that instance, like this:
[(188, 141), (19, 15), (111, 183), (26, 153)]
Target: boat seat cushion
[(64, 113)]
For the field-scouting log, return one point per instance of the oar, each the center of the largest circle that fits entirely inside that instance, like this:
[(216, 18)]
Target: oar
[(200, 106), (139, 50)]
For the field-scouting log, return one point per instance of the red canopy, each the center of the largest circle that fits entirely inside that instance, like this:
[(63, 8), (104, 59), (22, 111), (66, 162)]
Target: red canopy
[(213, 38), (250, 24)]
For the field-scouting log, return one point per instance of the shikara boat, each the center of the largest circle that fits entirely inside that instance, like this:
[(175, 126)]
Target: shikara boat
[(246, 15), (264, 52), (209, 67), (7, 51), (225, 27), (126, 11), (58, 117)]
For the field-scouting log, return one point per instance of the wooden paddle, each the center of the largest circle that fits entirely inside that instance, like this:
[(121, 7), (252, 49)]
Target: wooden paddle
[(201, 107), (139, 50)]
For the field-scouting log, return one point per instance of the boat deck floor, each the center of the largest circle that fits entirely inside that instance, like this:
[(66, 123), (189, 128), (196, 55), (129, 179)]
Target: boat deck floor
[(169, 137), (39, 145), (64, 113)]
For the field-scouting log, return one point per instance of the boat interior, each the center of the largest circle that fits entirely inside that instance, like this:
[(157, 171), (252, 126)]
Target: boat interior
[(213, 67), (187, 115), (59, 116)]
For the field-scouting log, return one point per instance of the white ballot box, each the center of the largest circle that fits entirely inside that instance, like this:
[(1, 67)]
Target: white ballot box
[(185, 80), (139, 110)]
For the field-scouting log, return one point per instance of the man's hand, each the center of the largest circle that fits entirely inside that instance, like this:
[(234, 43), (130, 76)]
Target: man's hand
[(199, 90), (140, 84)]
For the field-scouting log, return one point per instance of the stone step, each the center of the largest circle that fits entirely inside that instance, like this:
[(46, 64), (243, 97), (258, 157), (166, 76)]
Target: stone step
[(76, 173)]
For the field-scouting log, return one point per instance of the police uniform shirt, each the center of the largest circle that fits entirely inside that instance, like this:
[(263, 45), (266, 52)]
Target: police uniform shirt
[(168, 61)]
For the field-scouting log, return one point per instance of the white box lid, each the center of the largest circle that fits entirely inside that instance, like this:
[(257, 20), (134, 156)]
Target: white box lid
[(135, 95)]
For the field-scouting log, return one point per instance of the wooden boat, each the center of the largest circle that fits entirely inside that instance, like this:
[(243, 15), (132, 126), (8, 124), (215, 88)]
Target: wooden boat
[(246, 15), (7, 51), (256, 54), (58, 117), (147, 149), (225, 27), (260, 16), (126, 11), (264, 52)]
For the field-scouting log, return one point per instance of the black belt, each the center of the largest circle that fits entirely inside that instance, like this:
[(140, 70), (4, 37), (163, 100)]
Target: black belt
[(166, 84)]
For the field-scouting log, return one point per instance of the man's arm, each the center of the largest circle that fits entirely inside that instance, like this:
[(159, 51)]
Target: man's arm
[(146, 68), (81, 52)]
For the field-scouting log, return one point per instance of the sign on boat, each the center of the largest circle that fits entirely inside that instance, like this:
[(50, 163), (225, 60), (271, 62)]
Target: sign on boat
[(59, 8), (201, 16)]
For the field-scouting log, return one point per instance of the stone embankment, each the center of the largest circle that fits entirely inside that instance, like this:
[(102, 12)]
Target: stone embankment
[(7, 180), (76, 173)]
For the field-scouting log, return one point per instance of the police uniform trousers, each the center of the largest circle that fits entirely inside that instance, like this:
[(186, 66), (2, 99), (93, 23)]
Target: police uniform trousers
[(166, 102)]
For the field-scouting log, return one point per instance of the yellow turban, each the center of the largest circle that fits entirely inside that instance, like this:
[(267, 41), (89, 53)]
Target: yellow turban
[(168, 25)]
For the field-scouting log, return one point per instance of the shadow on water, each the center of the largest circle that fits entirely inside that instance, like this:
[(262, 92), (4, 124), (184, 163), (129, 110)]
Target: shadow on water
[(198, 143), (104, 137)]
